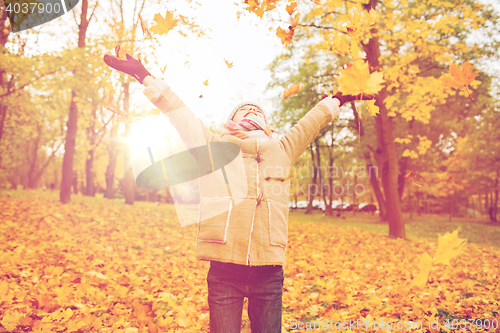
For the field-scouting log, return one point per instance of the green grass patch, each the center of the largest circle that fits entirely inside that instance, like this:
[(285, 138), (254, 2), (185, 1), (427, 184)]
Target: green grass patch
[(479, 231)]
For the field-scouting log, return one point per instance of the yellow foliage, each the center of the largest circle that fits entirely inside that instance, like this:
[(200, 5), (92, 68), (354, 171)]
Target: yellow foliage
[(410, 153), (423, 144), (356, 79), (406, 139)]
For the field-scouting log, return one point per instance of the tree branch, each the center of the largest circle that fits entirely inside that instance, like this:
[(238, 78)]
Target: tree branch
[(321, 27), (28, 83)]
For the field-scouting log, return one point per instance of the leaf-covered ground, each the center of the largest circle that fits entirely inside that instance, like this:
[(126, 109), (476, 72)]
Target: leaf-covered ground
[(101, 266)]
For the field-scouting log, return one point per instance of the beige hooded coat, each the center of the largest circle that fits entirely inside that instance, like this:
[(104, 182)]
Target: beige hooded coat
[(255, 230)]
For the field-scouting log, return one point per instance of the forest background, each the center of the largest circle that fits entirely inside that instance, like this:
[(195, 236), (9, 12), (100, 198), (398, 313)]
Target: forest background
[(432, 147), (68, 124)]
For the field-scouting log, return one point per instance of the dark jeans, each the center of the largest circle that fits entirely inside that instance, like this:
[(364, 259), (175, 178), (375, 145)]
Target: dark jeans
[(228, 284)]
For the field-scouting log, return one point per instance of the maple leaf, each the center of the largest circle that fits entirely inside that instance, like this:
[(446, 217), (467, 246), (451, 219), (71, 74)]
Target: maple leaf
[(285, 36), (120, 51), (356, 79), (144, 27), (294, 89), (291, 8), (254, 7), (164, 24), (205, 82), (372, 108), (228, 64), (425, 267), (163, 70), (409, 177), (449, 247), (295, 20), (461, 77)]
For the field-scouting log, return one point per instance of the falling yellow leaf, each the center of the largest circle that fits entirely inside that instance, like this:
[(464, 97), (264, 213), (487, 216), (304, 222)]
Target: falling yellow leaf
[(295, 20), (144, 27), (291, 8), (372, 108), (449, 247), (356, 80), (163, 70), (121, 50), (294, 89), (205, 82), (285, 36), (425, 267), (228, 64), (164, 24), (461, 77)]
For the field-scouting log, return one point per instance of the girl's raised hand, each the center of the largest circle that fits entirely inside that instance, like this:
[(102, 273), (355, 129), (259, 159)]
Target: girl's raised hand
[(131, 66)]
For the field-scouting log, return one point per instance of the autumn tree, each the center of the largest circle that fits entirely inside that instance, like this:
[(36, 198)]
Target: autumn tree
[(72, 124), (479, 153), (395, 38)]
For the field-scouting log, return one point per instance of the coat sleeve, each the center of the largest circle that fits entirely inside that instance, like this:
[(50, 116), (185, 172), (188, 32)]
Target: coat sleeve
[(296, 140), (191, 129)]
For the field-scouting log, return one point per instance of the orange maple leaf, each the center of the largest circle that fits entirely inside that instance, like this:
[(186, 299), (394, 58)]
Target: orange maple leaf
[(461, 77), (285, 36), (164, 25), (294, 89), (291, 8)]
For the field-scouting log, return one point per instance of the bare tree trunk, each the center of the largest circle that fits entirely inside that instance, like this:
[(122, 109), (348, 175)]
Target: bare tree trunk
[(110, 170), (75, 182), (318, 168), (310, 198), (3, 115), (69, 152), (401, 178), (72, 124), (89, 174), (89, 162), (390, 171), (373, 175), (4, 36), (128, 177), (354, 207), (32, 162), (495, 204), (328, 204), (390, 174), (5, 29)]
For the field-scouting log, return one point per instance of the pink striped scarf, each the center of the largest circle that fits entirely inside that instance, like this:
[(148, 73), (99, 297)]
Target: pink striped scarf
[(250, 127)]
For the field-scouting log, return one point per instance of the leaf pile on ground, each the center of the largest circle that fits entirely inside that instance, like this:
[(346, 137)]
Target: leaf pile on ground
[(105, 267)]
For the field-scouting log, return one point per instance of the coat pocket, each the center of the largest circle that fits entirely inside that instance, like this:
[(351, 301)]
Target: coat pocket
[(214, 219), (278, 223)]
